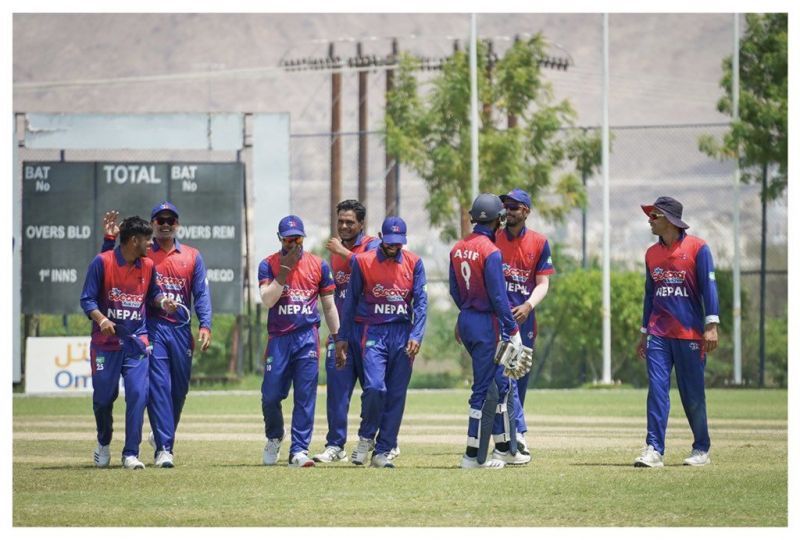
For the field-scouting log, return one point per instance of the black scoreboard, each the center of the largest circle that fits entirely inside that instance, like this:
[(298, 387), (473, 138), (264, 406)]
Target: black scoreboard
[(62, 218)]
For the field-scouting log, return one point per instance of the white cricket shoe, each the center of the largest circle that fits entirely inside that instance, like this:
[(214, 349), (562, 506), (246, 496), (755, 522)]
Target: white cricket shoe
[(381, 461), (151, 440), (472, 463), (522, 445), (649, 458), (132, 462), (164, 459), (698, 458), (394, 452), (301, 460), (331, 454), (361, 453), (102, 455), (511, 459), (272, 451)]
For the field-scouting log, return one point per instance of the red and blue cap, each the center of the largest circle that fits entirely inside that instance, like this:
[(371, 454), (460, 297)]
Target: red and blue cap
[(393, 231), (163, 206), (518, 195), (291, 226)]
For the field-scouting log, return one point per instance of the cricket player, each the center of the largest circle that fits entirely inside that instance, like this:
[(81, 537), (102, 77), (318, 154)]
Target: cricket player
[(341, 381), (290, 282), (387, 300), (478, 288), (181, 274), (119, 285), (679, 328), (527, 266)]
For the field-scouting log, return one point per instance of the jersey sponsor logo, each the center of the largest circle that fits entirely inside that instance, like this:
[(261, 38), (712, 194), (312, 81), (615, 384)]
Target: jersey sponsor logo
[(126, 299), (668, 276), (296, 295), (518, 275), (394, 294), (170, 283), (341, 278)]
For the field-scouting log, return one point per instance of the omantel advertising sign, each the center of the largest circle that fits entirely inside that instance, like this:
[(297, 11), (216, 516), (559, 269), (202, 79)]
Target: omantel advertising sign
[(58, 365)]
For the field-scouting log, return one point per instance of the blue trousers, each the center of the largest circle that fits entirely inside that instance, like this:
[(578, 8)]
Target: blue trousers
[(387, 372), (107, 367), (340, 385), (291, 361), (170, 372), (690, 364), (478, 331)]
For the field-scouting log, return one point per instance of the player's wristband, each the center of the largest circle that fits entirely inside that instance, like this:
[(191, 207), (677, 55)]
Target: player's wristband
[(643, 330), (161, 303)]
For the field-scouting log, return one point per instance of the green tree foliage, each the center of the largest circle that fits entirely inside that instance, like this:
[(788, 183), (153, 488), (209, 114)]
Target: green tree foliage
[(760, 136), (523, 142)]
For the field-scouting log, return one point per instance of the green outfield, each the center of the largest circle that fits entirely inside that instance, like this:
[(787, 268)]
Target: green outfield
[(583, 442)]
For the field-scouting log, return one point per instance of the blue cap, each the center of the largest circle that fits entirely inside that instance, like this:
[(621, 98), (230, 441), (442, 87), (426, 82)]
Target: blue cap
[(162, 207), (393, 230), (518, 195), (291, 226)]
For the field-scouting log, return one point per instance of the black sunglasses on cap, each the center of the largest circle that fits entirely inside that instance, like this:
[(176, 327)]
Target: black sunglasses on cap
[(168, 220)]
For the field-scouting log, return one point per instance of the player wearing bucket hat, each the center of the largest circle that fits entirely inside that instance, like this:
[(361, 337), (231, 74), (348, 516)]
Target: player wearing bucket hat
[(679, 327)]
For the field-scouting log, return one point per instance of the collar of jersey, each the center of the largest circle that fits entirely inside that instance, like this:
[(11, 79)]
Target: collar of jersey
[(382, 257), (680, 238), (510, 236), (157, 247), (121, 260), (485, 230)]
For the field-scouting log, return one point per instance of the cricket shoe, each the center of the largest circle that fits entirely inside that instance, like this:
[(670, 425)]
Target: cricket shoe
[(381, 461), (301, 460), (472, 463), (331, 454), (649, 458), (164, 459), (132, 462), (361, 453), (394, 452), (102, 455), (272, 451), (698, 458), (511, 459), (522, 445)]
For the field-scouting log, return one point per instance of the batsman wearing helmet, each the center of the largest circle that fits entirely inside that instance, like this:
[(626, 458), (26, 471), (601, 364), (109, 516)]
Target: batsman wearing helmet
[(181, 274), (478, 288)]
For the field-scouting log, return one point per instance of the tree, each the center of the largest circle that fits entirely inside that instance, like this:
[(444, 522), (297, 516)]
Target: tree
[(523, 140), (759, 138)]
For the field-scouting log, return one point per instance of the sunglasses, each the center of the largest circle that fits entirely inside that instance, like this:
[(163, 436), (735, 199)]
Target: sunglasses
[(513, 207), (290, 239), (169, 220), (655, 216)]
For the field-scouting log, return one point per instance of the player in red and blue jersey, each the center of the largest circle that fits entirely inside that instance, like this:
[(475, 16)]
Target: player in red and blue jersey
[(181, 274), (679, 328), (527, 266), (352, 240), (478, 289), (119, 285), (290, 282), (385, 310)]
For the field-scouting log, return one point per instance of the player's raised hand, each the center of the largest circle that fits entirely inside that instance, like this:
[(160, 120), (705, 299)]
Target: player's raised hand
[(334, 245), (290, 258), (110, 223)]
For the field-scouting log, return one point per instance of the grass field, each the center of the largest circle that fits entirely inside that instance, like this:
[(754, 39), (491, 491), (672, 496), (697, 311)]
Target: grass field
[(583, 442)]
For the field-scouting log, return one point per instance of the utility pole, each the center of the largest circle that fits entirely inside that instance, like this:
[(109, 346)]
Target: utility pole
[(363, 147), (336, 141), (391, 189)]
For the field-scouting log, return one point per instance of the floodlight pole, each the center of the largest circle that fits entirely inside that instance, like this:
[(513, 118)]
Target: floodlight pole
[(606, 226), (473, 103), (737, 284)]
